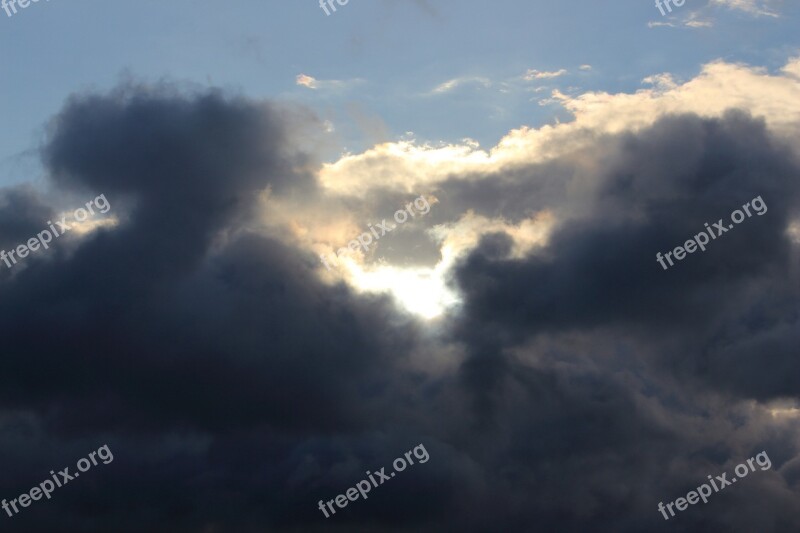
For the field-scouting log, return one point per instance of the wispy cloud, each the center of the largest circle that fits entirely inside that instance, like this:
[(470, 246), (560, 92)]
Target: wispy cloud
[(698, 24), (692, 21), (754, 7), (456, 82), (533, 74), (660, 24), (311, 82)]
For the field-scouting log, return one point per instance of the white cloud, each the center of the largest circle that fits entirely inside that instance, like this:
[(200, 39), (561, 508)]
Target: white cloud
[(455, 82), (661, 81), (411, 167), (310, 82), (307, 81), (698, 24), (753, 7), (459, 237), (660, 24), (757, 8), (556, 98), (695, 22), (532, 74), (718, 87)]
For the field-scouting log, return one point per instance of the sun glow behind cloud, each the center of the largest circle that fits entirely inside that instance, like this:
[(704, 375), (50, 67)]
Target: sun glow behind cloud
[(410, 167), (421, 290)]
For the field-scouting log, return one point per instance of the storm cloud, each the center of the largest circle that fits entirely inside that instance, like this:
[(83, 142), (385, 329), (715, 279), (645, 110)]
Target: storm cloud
[(236, 387)]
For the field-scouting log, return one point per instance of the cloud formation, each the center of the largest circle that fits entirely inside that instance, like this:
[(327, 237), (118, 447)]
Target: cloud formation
[(752, 7), (533, 74), (575, 386)]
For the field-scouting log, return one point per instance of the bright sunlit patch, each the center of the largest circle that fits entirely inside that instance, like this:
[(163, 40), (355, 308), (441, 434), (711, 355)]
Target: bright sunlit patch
[(785, 412), (420, 291), (89, 226), (794, 232)]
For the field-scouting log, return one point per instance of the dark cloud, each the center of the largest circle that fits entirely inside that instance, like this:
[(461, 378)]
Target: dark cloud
[(599, 269), (236, 390)]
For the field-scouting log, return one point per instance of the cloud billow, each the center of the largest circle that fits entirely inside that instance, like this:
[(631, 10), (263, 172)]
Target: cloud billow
[(236, 388)]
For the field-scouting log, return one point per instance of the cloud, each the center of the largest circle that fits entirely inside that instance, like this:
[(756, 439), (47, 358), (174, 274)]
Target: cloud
[(533, 74), (661, 24), (183, 268), (307, 81), (310, 82), (575, 385), (457, 82), (699, 24), (662, 82), (411, 167), (752, 7), (692, 21)]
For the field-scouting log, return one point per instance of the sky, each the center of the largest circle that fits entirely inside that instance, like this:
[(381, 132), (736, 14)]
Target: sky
[(545, 256)]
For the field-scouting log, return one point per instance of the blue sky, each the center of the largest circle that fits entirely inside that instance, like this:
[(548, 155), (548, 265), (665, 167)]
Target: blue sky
[(387, 55)]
